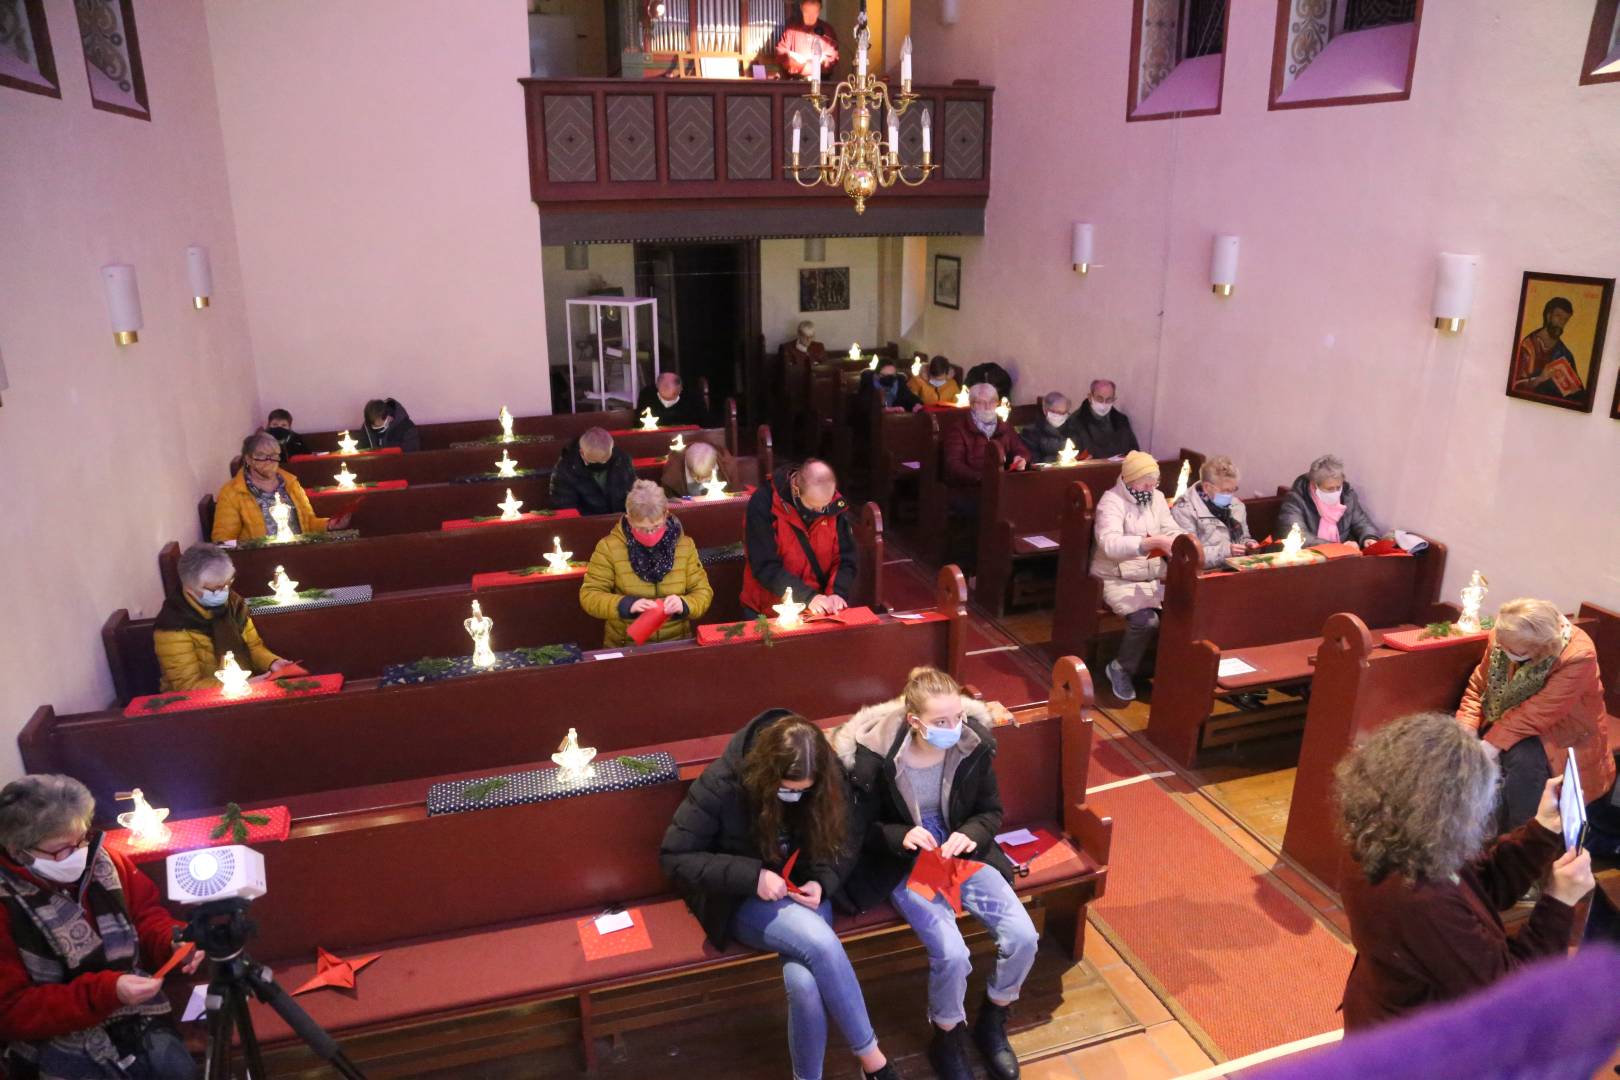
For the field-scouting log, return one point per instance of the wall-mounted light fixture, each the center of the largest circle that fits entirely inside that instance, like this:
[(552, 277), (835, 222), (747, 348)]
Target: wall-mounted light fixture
[(950, 11), (1223, 260), (577, 256), (201, 273), (1085, 236), (1454, 290), (815, 249), (123, 302)]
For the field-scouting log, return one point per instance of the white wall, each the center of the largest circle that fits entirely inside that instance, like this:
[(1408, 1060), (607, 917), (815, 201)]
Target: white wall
[(779, 264), (611, 265), (105, 450), (379, 173), (1327, 344)]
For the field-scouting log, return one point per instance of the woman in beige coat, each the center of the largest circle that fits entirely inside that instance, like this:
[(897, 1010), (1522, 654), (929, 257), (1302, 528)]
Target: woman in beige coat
[(1134, 534)]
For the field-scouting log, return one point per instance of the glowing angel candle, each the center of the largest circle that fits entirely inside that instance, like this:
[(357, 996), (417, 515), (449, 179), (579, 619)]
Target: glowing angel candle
[(506, 424), (1004, 410), (510, 508), (1293, 546), (916, 367), (280, 513), (1181, 482), (479, 626), (145, 822), (1473, 596)]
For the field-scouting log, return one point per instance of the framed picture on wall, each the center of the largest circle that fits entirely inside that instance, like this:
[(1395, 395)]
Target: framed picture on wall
[(112, 57), (1558, 339), (948, 282), (26, 60), (824, 289)]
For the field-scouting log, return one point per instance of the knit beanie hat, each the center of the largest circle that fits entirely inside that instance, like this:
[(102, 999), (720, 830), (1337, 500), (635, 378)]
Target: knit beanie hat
[(1138, 463)]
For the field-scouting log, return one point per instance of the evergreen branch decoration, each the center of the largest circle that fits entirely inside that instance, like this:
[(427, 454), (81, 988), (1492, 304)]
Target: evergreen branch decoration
[(483, 789), (766, 633), (235, 822), (733, 631), (542, 655), (298, 686), (154, 704), (638, 765), (431, 666)]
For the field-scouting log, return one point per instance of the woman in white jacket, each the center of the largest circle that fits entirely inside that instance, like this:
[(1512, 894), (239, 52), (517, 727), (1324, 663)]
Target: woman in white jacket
[(1134, 534)]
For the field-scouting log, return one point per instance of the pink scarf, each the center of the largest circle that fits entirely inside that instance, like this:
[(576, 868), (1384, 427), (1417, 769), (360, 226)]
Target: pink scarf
[(1328, 530)]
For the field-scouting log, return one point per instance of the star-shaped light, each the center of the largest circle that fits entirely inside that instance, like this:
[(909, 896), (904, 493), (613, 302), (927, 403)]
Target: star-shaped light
[(333, 971), (510, 508), (961, 401), (345, 479), (1068, 455), (145, 822), (573, 759), (284, 588), (787, 613), (649, 422), (677, 444), (506, 467), (714, 487), (557, 558), (346, 443), (233, 680)]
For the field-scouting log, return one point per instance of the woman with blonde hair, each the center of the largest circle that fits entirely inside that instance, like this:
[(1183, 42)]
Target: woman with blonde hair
[(923, 772), (1534, 699), (1416, 806), (1213, 513), (646, 561)]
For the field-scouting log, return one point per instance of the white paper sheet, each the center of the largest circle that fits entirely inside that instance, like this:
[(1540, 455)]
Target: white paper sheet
[(1572, 805), (1016, 837), (1230, 666), (197, 1004), (609, 655), (911, 464), (1041, 542), (607, 924), (909, 616)]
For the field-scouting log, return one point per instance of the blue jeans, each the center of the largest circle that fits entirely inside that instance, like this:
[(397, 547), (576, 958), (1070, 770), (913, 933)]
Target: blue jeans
[(992, 901), (819, 977)]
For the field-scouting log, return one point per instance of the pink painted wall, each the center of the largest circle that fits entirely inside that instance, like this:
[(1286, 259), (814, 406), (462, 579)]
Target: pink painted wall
[(378, 169), (104, 451), (1327, 344)]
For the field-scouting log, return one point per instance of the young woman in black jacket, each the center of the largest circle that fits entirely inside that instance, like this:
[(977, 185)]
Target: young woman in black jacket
[(923, 772), (757, 849)]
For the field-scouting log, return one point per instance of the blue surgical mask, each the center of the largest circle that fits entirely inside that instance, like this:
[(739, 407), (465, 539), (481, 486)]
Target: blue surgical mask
[(942, 737), (789, 795), (1223, 499), (213, 598)]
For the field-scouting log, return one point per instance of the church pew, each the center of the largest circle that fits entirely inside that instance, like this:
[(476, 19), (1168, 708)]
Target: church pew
[(358, 640), (368, 734), (900, 442), (1014, 506), (1078, 609), (443, 466), (445, 993), (424, 559), (1272, 619), (936, 523), (809, 407)]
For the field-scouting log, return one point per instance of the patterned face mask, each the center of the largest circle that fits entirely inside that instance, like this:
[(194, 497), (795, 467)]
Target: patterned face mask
[(1143, 498)]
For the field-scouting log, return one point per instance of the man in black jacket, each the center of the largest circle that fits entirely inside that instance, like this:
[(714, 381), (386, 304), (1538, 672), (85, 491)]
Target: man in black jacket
[(593, 476), (887, 382), (669, 402), (388, 424), (1046, 436), (279, 425), (1099, 427)]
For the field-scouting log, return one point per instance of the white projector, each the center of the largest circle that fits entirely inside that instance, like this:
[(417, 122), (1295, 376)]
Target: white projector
[(233, 872)]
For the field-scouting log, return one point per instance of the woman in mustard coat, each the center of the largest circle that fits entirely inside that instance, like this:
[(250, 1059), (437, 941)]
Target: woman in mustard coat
[(643, 562), (242, 507)]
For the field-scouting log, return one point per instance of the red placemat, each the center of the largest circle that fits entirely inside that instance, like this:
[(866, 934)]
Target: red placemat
[(1414, 641), (597, 946), (495, 579), (376, 485), (192, 833), (211, 697), (729, 634), (646, 431), (346, 457), (472, 523), (649, 462)]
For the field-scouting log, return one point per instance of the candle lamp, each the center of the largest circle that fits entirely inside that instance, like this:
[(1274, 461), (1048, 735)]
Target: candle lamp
[(479, 626), (145, 822), (506, 468), (677, 444), (510, 508), (649, 422), (1473, 595), (1004, 410), (1182, 480), (347, 444), (714, 487), (506, 424), (1293, 549), (283, 587), (557, 558), (1068, 455), (855, 351), (574, 760), (916, 367), (280, 513), (233, 680), (788, 613), (961, 401), (345, 479)]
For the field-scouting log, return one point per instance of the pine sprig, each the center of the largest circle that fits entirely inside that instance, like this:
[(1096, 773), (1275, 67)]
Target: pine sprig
[(154, 704), (235, 822), (644, 766), (482, 790)]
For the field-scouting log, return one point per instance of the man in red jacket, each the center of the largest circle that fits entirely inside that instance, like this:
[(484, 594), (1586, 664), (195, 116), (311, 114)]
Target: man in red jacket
[(983, 432), (799, 537)]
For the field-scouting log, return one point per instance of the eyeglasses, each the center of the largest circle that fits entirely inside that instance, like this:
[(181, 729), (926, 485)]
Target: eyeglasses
[(263, 457), (61, 853)]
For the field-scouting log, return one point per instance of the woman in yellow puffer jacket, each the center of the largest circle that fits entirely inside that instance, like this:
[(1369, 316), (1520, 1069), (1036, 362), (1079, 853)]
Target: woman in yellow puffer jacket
[(196, 628), (241, 509), (646, 561)]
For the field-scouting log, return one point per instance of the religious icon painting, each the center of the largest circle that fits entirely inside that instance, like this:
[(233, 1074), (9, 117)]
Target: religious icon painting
[(948, 281), (26, 60), (1558, 339), (825, 289)]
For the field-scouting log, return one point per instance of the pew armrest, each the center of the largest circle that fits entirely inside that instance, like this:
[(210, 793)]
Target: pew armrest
[(1094, 834)]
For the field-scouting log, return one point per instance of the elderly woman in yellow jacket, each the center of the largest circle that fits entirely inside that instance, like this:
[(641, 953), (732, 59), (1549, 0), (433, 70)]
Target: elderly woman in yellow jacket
[(243, 509), (205, 621), (646, 561)]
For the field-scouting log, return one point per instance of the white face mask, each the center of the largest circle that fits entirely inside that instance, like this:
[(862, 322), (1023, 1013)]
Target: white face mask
[(62, 871), (669, 402), (1057, 420), (1516, 657), (938, 382), (1100, 409), (1330, 496)]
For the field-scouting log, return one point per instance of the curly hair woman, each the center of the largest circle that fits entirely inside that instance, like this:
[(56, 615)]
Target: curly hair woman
[(1417, 804)]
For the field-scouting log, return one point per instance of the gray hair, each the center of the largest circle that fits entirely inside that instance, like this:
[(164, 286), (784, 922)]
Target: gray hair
[(646, 502), (597, 442), (199, 560), (807, 328), (1220, 467), (41, 805), (257, 439), (984, 392), (1056, 397), (1103, 382), (701, 458), (1326, 467)]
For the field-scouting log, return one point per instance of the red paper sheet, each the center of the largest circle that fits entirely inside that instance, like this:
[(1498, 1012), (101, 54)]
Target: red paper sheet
[(1414, 641), (786, 873), (335, 456), (715, 633), (934, 875), (943, 408), (176, 958), (647, 623), (1033, 853), (210, 697), (633, 938), (192, 833), (1387, 548), (469, 523), (649, 462), (379, 485), (495, 579), (644, 431), (1335, 551)]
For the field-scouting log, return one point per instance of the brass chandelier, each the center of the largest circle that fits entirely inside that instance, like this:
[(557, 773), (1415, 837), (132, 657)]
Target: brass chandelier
[(861, 162)]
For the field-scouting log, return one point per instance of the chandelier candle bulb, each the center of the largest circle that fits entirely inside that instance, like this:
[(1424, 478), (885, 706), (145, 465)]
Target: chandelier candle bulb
[(927, 135), (557, 558), (1293, 546), (283, 588), (798, 123), (479, 626), (280, 512), (347, 444), (894, 134), (1084, 246), (506, 467), (233, 680), (510, 508), (815, 68), (905, 65), (201, 273), (344, 478)]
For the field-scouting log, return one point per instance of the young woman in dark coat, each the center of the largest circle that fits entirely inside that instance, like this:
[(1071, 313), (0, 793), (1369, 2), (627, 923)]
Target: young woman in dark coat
[(757, 849)]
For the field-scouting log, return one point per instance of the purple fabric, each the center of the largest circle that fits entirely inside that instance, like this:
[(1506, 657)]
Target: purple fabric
[(1551, 1021)]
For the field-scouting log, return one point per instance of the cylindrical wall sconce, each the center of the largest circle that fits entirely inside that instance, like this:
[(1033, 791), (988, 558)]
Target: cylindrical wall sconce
[(123, 302), (1454, 290), (815, 249), (950, 11), (577, 256), (201, 274), (1085, 236), (1223, 265)]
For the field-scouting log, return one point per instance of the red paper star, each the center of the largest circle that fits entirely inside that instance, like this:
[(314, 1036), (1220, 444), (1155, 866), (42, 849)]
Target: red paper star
[(334, 971), (935, 875)]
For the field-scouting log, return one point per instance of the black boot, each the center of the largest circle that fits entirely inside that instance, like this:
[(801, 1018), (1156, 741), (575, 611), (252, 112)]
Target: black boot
[(888, 1072), (990, 1032), (948, 1054)]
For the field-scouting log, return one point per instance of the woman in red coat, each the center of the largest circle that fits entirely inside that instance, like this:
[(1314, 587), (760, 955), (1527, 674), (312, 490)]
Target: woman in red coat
[(81, 928), (1535, 699), (1416, 804)]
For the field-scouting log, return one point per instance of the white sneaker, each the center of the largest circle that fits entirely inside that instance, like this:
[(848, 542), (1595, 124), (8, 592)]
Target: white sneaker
[(1120, 681)]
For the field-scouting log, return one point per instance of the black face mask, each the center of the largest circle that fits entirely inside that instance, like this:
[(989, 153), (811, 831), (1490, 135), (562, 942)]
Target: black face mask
[(889, 382), (597, 466), (280, 434)]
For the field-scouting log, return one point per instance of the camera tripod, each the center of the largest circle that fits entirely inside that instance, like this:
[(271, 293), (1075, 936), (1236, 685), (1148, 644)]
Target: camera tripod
[(221, 929)]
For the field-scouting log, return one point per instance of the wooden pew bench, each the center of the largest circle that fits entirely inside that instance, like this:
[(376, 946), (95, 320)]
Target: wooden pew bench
[(369, 734), (1360, 686), (481, 956), (1270, 619), (942, 534), (1020, 510)]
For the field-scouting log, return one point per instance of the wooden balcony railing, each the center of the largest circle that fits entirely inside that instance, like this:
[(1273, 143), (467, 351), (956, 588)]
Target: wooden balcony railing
[(605, 148)]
